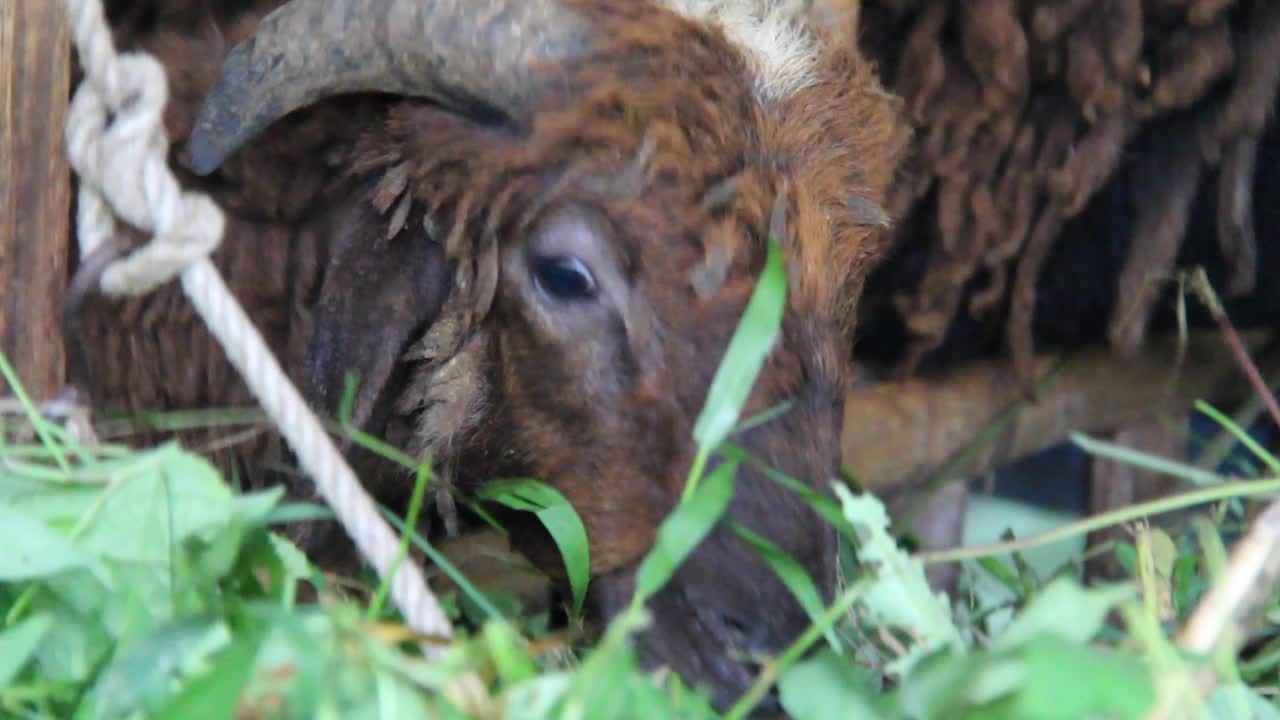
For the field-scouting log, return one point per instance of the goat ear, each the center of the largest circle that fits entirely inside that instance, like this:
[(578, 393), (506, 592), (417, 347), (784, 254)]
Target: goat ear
[(376, 296)]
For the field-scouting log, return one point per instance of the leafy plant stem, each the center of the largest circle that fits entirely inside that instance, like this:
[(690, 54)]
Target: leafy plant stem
[(411, 521), (695, 475), (772, 670), (1239, 433), (33, 413), (1103, 520), (445, 566)]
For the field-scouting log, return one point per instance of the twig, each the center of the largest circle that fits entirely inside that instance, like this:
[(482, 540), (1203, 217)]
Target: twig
[(1200, 284), (230, 440), (1232, 605)]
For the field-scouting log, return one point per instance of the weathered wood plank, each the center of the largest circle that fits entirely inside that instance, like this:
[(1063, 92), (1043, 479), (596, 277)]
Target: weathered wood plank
[(899, 434), (35, 188)]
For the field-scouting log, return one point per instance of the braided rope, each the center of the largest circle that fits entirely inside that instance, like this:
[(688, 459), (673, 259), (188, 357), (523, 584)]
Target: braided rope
[(117, 144)]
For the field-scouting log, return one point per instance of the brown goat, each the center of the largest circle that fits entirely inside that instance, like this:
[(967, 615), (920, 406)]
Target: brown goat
[(533, 248)]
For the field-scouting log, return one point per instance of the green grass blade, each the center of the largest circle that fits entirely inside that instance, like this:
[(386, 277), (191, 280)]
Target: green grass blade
[(794, 652), (510, 657), (1156, 464), (42, 426), (794, 576), (445, 566), (764, 416), (557, 515), (410, 521), (215, 694), (1245, 438), (745, 356), (684, 529), (18, 643), (822, 504)]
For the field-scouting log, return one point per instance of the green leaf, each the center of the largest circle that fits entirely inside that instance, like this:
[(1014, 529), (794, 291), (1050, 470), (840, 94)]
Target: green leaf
[(423, 475), (900, 596), (1237, 701), (750, 345), (215, 694), (600, 687), (508, 604), (536, 698), (297, 657), (141, 677), (794, 576), (1188, 586), (216, 558), (396, 698), (939, 684), (18, 645), (1127, 557), (994, 678), (175, 496), (557, 515), (79, 641), (33, 550), (684, 529), (1064, 610), (1065, 681), (829, 687), (509, 656), (254, 509), (293, 512), (295, 564), (1001, 572)]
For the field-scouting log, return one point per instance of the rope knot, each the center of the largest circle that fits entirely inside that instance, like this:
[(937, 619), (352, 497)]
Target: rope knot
[(117, 144)]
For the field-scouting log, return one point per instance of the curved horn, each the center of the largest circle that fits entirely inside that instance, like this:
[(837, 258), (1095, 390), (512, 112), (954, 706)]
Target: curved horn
[(468, 54)]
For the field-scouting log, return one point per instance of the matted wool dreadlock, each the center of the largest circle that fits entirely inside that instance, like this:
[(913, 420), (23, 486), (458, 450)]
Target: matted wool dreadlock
[(1024, 112)]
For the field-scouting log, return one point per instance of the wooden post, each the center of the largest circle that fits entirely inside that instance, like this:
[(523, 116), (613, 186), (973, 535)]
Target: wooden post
[(35, 189)]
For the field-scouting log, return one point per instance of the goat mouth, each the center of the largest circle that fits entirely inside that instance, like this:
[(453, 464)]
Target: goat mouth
[(711, 651), (715, 646)]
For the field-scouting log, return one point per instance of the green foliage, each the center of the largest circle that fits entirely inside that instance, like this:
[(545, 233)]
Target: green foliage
[(828, 687), (558, 517), (123, 572), (140, 585), (900, 598)]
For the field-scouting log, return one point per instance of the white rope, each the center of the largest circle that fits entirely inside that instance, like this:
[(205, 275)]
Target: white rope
[(117, 144)]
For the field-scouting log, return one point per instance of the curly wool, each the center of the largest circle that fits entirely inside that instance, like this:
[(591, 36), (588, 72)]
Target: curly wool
[(1026, 111)]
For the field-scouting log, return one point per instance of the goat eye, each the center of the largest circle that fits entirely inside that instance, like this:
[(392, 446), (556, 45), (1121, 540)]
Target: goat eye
[(564, 278)]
